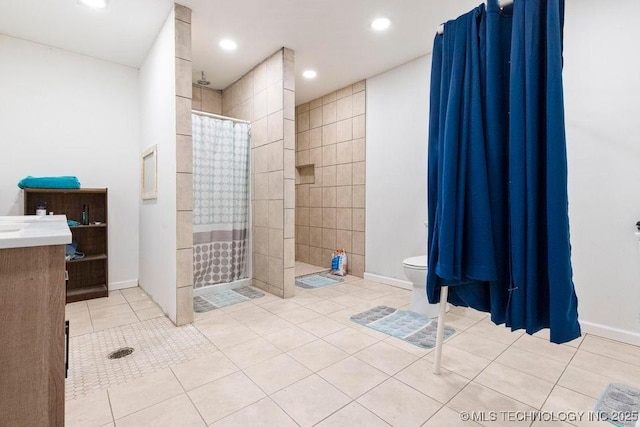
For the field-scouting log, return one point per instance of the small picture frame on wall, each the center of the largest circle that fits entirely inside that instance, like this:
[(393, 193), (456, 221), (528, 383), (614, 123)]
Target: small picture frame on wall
[(149, 174)]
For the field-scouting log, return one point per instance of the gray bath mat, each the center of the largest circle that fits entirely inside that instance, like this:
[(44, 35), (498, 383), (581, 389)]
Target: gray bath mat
[(620, 405), (314, 281), (411, 327), (218, 298)]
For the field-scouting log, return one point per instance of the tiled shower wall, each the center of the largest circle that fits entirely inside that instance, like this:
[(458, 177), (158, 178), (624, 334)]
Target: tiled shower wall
[(330, 211), (206, 99), (265, 96), (184, 171)]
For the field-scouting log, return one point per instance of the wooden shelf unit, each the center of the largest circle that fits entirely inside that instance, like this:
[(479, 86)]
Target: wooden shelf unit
[(88, 276)]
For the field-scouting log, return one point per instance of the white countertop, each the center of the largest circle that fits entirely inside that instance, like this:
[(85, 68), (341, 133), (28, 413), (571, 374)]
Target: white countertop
[(32, 230)]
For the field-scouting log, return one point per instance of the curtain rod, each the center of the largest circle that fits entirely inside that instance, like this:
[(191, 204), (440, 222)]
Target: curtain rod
[(501, 3), (218, 116)]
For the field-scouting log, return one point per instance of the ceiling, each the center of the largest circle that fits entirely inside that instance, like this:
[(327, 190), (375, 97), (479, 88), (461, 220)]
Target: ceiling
[(121, 33), (331, 36)]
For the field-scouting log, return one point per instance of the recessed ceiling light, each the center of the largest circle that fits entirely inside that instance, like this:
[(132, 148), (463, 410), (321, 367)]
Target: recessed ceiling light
[(227, 44), (95, 4), (380, 24), (309, 74)]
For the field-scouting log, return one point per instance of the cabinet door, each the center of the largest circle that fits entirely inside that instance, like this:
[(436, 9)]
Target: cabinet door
[(32, 298)]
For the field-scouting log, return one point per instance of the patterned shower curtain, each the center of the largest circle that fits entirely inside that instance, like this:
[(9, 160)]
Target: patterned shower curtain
[(220, 200)]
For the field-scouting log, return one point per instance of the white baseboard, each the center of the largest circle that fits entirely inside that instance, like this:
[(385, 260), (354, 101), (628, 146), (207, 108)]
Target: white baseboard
[(404, 284), (615, 334), (113, 286)]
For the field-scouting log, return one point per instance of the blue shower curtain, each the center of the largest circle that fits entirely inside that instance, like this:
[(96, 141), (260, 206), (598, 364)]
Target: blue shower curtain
[(498, 216)]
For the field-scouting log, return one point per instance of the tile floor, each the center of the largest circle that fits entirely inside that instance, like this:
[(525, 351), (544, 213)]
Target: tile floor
[(119, 308), (157, 343), (304, 269), (301, 361)]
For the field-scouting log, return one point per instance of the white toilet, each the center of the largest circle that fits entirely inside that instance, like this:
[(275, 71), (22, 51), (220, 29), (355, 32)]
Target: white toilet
[(415, 269)]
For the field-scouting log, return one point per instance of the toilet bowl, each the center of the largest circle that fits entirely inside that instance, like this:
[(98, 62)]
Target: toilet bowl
[(415, 269)]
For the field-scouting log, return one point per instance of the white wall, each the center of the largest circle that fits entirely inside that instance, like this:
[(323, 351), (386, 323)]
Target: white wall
[(602, 103), (158, 127), (397, 132), (66, 114), (602, 99)]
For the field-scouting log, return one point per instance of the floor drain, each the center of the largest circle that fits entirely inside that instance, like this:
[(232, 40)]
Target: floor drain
[(120, 353)]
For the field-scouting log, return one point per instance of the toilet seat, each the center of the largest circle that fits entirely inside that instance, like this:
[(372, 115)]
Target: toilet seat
[(416, 262)]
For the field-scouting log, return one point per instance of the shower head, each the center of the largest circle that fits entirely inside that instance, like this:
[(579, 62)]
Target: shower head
[(203, 81)]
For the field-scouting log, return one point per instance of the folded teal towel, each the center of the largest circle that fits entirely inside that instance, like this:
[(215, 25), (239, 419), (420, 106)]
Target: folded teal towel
[(50, 182)]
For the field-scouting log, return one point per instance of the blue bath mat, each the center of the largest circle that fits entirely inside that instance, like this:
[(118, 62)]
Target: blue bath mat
[(218, 298), (620, 405), (314, 281), (411, 327)]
